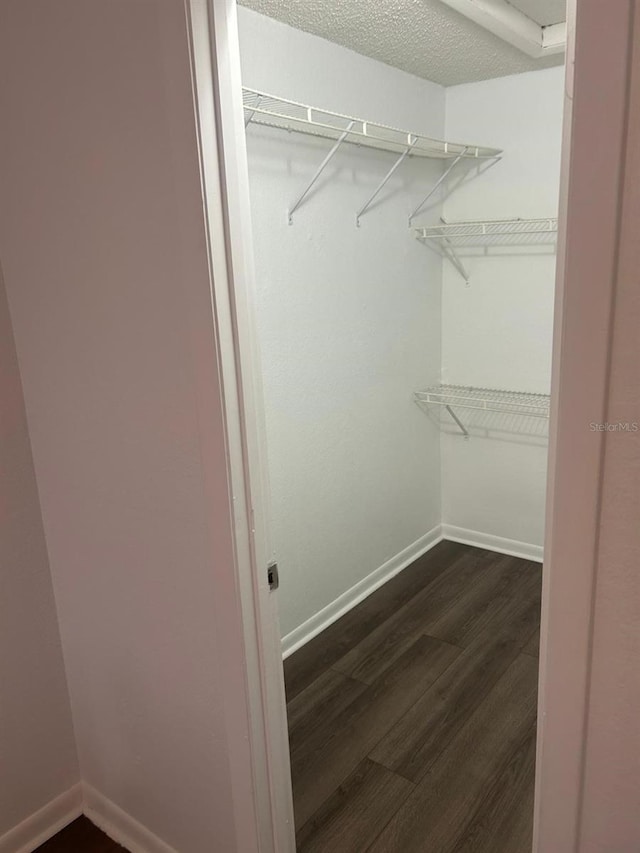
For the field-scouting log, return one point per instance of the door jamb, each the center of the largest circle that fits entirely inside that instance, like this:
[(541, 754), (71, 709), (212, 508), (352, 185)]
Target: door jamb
[(215, 60)]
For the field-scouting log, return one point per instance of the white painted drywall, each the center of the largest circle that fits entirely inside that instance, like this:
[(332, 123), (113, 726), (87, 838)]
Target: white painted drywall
[(37, 753), (348, 321), (103, 243), (497, 332)]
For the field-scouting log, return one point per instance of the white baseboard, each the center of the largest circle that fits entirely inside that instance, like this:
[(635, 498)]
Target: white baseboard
[(43, 824), (119, 825), (332, 612), (492, 543)]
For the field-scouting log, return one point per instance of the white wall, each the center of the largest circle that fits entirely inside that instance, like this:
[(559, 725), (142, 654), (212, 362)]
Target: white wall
[(349, 321), (497, 332), (38, 760), (103, 244)]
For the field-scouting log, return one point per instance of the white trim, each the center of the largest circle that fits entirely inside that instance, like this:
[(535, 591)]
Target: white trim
[(119, 825), (513, 547), (217, 82), (43, 824), (511, 25), (357, 593)]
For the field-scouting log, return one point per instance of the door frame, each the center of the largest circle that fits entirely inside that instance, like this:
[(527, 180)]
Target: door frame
[(599, 50), (598, 53), (215, 61)]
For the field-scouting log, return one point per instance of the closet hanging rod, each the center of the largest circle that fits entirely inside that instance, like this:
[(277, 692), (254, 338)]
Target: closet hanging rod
[(271, 111)]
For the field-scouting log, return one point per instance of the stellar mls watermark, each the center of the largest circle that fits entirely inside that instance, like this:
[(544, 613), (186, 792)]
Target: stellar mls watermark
[(619, 426)]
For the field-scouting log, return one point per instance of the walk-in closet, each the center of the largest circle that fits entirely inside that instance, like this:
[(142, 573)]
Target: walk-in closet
[(404, 211), (319, 426)]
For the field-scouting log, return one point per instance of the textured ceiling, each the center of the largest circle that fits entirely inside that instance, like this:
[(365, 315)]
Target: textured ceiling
[(543, 12), (423, 37)]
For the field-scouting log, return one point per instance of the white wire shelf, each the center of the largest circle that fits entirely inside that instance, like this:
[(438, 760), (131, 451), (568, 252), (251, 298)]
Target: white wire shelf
[(261, 108), (484, 399), (271, 111), (449, 238), (497, 232)]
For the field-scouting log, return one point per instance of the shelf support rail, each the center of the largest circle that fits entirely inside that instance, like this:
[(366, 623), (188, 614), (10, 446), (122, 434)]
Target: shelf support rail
[(383, 182), (463, 428), (318, 172), (437, 184)]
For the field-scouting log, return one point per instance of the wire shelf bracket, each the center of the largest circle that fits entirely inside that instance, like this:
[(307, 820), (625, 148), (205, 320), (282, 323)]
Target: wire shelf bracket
[(382, 183), (317, 174), (249, 113), (448, 238), (463, 428), (271, 111), (452, 397), (437, 184), (448, 251)]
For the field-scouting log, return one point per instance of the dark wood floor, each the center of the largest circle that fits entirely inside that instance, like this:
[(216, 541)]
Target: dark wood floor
[(412, 718), (81, 836)]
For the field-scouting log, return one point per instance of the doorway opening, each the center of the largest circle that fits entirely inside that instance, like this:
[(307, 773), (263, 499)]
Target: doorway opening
[(404, 232), (404, 228)]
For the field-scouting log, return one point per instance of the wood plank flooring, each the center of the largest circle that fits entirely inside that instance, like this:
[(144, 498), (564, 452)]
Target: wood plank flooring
[(412, 718)]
